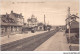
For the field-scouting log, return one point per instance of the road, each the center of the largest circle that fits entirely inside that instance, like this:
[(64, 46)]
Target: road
[(28, 44)]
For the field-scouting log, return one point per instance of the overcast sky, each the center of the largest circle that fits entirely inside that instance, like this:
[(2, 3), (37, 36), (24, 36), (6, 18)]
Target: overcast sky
[(54, 10)]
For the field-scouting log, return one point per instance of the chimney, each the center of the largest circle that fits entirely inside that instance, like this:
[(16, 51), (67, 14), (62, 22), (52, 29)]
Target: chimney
[(6, 15), (11, 11)]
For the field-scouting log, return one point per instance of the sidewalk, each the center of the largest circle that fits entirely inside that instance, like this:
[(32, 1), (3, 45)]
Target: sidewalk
[(57, 42), (15, 37)]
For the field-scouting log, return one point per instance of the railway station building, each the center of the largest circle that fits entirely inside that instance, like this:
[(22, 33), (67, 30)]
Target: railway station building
[(11, 23)]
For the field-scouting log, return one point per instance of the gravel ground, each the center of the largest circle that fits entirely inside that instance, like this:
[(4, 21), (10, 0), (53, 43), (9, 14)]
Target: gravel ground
[(57, 42), (15, 37)]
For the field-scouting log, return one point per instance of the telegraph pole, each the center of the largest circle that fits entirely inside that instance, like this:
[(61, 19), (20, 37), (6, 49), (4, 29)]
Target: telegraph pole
[(68, 11), (44, 22), (69, 26), (68, 17), (69, 21)]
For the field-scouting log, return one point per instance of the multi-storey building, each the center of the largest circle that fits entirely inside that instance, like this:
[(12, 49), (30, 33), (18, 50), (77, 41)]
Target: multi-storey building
[(11, 23), (32, 22)]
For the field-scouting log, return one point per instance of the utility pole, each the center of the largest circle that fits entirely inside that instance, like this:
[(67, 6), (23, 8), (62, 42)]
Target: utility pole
[(44, 22), (69, 21), (69, 26), (68, 11), (68, 17)]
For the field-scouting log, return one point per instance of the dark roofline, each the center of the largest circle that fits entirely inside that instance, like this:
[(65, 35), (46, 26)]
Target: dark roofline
[(75, 15), (71, 16)]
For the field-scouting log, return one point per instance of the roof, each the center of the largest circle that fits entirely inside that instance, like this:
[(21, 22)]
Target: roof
[(72, 16), (8, 20), (17, 15), (33, 20)]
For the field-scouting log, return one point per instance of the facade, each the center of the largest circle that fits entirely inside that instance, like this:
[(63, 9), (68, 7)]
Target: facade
[(74, 27), (73, 23), (70, 19), (32, 22), (11, 23), (40, 26)]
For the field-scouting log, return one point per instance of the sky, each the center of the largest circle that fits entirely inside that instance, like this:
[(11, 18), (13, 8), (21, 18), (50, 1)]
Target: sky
[(55, 10)]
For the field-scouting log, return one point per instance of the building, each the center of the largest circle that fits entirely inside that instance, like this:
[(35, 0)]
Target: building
[(40, 26), (32, 21), (70, 18), (11, 23), (74, 27), (73, 24)]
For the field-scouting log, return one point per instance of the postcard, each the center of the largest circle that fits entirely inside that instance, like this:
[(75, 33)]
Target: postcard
[(39, 25)]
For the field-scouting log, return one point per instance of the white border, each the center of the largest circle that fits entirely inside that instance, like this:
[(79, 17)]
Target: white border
[(79, 25), (42, 52), (39, 52)]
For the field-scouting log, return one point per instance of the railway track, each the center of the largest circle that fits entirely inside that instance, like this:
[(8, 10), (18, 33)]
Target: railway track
[(28, 44)]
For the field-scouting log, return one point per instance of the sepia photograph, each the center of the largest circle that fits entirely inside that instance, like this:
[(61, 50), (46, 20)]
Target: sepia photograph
[(39, 25)]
